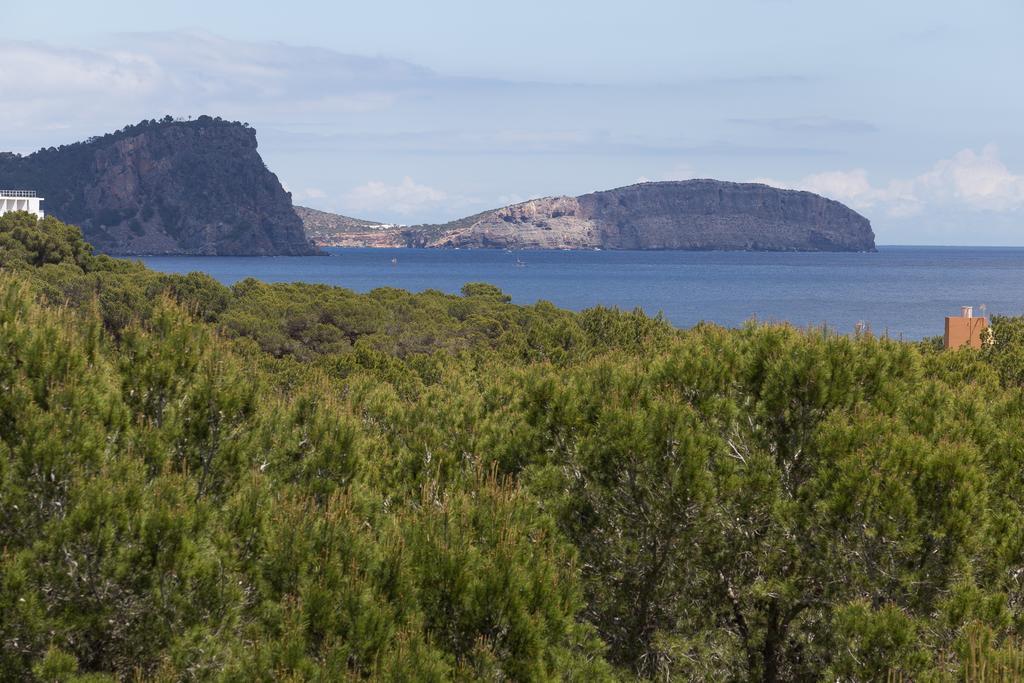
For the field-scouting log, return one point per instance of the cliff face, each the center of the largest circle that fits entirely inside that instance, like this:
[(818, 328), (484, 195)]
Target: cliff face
[(169, 187), (549, 223), (692, 214)]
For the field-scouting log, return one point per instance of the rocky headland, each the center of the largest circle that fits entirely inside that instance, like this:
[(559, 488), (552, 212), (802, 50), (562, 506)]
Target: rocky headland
[(200, 187), (166, 187), (690, 214)]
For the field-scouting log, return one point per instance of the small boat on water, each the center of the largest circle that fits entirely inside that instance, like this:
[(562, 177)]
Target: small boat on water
[(394, 261), (520, 263)]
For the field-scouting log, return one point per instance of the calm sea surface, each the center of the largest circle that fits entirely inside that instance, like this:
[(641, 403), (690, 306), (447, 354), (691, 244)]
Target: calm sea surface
[(905, 290)]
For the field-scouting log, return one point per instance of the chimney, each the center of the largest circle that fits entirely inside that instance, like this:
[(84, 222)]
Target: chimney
[(967, 311)]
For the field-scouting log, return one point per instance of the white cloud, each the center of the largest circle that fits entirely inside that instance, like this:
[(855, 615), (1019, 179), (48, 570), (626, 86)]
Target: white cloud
[(147, 75), (58, 70), (218, 67), (977, 181), (406, 198), (981, 181)]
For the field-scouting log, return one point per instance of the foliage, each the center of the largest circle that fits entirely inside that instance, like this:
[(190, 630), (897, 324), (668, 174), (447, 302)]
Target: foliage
[(265, 482)]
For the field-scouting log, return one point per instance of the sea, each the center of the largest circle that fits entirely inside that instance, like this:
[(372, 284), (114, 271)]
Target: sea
[(900, 291)]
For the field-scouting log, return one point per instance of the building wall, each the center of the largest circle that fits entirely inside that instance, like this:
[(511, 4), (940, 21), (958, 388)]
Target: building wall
[(962, 331), (30, 204)]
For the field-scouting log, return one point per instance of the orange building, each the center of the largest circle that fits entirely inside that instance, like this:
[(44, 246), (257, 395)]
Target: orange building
[(965, 330)]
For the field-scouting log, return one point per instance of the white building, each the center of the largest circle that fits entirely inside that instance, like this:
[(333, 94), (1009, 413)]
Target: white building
[(20, 200)]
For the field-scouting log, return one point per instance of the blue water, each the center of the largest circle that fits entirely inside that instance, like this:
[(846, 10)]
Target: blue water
[(905, 291)]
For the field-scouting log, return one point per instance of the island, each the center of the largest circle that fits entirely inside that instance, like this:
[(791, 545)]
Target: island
[(682, 215)]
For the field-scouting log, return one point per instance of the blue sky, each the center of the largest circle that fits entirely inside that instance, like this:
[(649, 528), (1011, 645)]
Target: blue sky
[(910, 112)]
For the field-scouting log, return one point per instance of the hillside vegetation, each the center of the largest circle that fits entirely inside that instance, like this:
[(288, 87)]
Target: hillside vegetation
[(299, 482), (333, 230), (166, 187)]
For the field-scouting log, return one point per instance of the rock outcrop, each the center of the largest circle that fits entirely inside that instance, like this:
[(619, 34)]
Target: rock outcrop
[(166, 187), (691, 214)]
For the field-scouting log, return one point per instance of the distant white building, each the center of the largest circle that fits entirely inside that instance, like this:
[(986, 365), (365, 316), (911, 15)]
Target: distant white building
[(20, 200)]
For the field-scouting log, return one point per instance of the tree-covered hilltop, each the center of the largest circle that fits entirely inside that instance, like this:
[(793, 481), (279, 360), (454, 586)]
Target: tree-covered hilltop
[(166, 187), (298, 482)]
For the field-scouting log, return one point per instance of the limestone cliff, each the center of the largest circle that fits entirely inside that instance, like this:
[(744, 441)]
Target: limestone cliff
[(692, 214), (167, 187)]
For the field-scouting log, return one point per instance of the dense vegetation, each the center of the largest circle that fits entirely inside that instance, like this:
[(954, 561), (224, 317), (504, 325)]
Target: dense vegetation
[(297, 482)]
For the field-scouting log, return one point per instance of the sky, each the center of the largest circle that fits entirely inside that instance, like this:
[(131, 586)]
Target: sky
[(911, 112)]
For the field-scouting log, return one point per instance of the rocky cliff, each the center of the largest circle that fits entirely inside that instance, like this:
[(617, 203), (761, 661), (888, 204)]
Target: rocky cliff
[(692, 214), (166, 187)]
